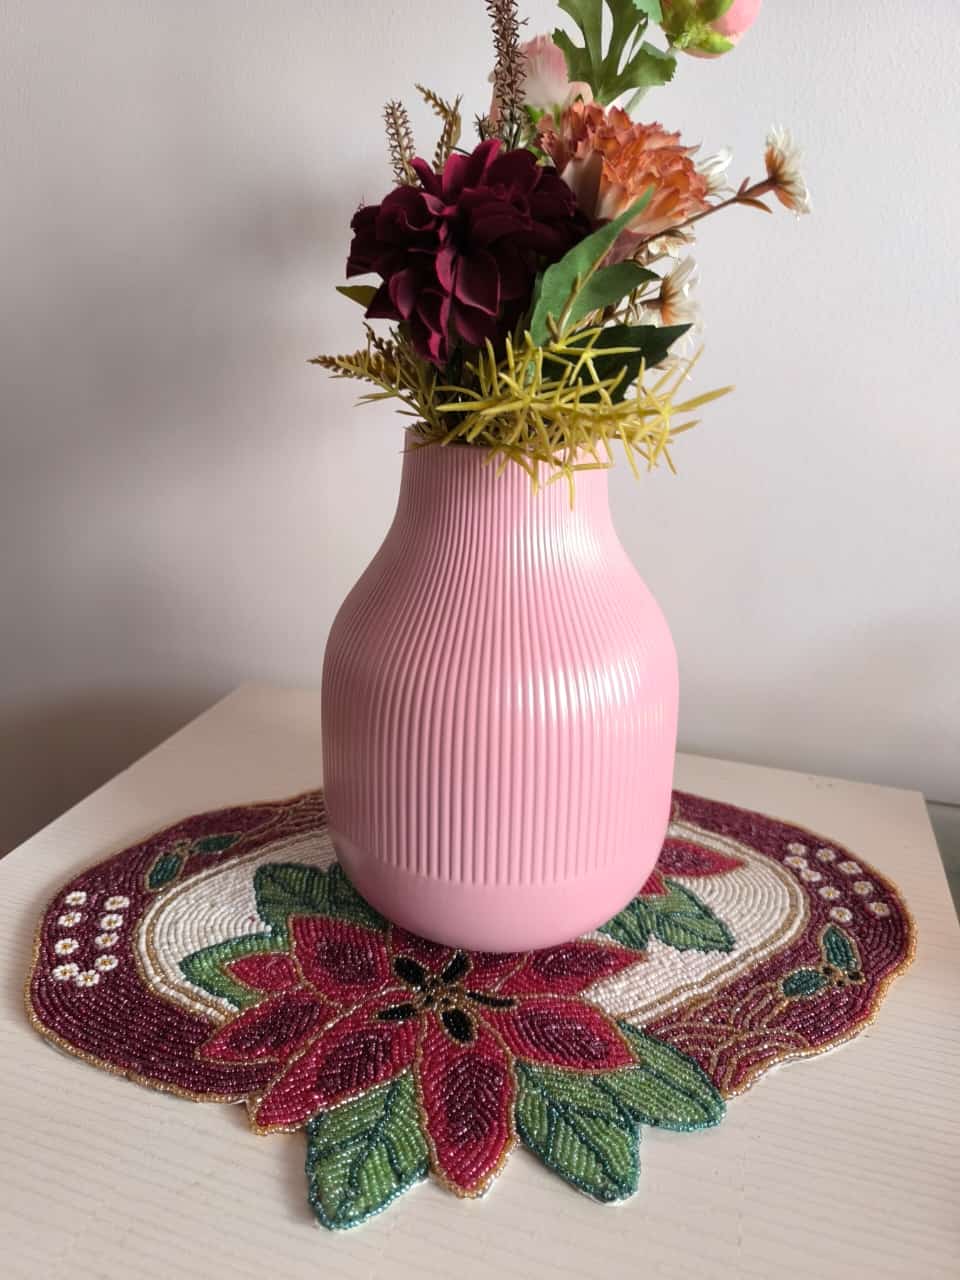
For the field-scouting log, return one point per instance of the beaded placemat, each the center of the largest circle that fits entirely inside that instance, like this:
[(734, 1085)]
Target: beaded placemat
[(228, 959)]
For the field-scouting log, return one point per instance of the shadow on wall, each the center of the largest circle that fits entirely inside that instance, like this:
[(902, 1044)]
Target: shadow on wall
[(53, 755)]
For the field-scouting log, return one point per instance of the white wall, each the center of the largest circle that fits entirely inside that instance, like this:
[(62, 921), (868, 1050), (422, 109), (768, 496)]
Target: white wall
[(183, 501)]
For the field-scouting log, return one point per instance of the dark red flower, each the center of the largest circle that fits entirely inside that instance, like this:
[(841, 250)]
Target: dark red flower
[(350, 1008), (459, 253)]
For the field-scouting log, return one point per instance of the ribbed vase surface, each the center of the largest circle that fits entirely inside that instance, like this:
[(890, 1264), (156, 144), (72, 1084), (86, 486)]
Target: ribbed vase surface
[(499, 710)]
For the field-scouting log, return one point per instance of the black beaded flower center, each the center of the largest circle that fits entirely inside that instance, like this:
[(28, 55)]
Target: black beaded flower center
[(445, 994)]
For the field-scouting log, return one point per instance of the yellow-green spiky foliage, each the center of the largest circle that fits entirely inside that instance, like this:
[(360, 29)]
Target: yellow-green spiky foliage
[(534, 404)]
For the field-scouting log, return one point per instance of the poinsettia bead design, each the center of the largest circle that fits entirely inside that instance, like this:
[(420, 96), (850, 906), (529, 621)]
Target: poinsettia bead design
[(352, 1007)]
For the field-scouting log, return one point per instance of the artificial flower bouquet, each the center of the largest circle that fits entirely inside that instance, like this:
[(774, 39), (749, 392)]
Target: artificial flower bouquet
[(539, 285)]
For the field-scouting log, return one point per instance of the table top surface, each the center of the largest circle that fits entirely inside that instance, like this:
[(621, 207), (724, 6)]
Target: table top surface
[(844, 1166)]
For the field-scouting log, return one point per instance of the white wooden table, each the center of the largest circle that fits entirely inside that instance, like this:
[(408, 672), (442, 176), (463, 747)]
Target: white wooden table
[(844, 1166)]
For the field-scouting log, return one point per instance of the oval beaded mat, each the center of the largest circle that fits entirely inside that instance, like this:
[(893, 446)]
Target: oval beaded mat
[(228, 959)]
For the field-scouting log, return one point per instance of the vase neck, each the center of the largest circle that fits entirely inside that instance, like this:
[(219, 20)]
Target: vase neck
[(445, 487)]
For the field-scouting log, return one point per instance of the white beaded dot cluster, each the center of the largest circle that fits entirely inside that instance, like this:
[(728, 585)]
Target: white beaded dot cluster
[(110, 923), (798, 859)]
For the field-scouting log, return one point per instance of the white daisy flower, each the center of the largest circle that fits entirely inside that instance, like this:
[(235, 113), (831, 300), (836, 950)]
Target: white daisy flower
[(111, 921), (116, 903), (850, 868), (796, 847), (878, 908), (843, 915), (795, 860), (105, 963), (106, 940), (69, 919), (65, 971), (830, 892), (675, 301), (782, 159), (827, 855), (88, 978), (714, 169), (75, 899), (863, 887), (810, 874), (66, 946)]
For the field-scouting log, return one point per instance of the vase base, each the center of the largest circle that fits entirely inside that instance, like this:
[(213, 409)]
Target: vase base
[(493, 917)]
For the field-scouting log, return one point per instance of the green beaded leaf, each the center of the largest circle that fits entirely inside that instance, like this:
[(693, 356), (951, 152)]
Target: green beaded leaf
[(839, 950), (687, 924), (803, 983), (678, 918), (213, 844), (206, 968), (579, 1130), (666, 1088), (165, 870), (632, 926), (364, 1153), (285, 889)]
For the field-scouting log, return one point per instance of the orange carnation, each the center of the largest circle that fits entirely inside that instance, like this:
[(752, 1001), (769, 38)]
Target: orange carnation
[(609, 162)]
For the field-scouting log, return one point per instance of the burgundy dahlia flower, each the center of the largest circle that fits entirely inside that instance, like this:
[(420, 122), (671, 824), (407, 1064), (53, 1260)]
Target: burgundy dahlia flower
[(458, 254)]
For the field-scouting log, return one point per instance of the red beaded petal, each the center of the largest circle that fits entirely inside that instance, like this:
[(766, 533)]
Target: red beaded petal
[(468, 1093), (561, 1033), (343, 961), (355, 1054), (275, 1028)]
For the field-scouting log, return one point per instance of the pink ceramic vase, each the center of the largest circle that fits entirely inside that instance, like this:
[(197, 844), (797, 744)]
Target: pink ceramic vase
[(499, 710)]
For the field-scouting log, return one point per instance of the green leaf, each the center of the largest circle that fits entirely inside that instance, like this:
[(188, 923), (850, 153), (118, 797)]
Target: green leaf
[(345, 903), (607, 286), (687, 924), (166, 869), (285, 889), (588, 15), (648, 67), (648, 343), (839, 950), (205, 969), (213, 844), (678, 918), (578, 1129), (566, 278), (666, 1088), (362, 1154), (803, 983), (632, 926), (621, 66), (362, 293)]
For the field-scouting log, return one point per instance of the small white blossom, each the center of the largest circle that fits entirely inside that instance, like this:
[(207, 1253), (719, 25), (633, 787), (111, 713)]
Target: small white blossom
[(850, 868), (795, 860), (878, 908), (843, 915), (796, 847), (782, 159), (116, 903), (88, 978), (111, 921), (827, 855), (105, 963), (65, 971), (106, 940), (66, 946), (810, 874), (830, 893), (714, 169), (863, 887), (69, 919), (75, 899)]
